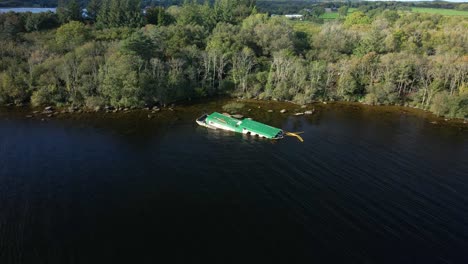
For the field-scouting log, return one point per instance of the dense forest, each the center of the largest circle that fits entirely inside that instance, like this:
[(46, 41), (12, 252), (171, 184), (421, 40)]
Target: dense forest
[(267, 6), (118, 55)]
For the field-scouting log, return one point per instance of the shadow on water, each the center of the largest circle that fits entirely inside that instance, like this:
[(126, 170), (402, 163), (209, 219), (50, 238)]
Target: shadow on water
[(367, 186)]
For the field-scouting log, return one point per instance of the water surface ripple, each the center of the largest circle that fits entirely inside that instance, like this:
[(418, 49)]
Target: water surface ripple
[(363, 188)]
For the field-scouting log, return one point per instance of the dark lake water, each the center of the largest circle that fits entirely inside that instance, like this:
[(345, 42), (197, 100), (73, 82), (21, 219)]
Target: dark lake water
[(26, 9), (368, 185)]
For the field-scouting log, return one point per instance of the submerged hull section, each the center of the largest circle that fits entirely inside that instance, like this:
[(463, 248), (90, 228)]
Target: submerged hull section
[(202, 122), (245, 126)]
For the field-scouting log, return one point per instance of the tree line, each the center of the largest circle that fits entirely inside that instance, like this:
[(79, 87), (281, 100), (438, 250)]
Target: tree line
[(123, 57)]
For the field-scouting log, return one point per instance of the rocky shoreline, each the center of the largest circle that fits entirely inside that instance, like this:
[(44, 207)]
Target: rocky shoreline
[(281, 108)]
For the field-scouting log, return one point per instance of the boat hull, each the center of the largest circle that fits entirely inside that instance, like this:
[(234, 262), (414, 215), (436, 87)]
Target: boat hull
[(202, 121), (231, 124)]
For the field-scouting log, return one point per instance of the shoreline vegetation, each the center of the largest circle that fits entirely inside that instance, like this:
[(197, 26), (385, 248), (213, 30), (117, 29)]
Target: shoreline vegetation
[(117, 57)]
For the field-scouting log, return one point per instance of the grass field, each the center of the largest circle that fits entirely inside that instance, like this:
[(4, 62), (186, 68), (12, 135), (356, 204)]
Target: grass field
[(334, 15), (331, 15), (306, 26), (440, 11)]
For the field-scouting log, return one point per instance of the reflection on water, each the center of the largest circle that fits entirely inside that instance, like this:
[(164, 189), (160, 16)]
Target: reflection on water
[(365, 187)]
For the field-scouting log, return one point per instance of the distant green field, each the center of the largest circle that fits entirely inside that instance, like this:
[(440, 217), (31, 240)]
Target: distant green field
[(440, 11), (334, 15)]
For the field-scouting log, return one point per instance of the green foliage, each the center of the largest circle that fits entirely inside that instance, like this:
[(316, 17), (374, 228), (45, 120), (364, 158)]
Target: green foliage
[(267, 36), (192, 13), (178, 37), (120, 81), (74, 11), (224, 38), (343, 11), (120, 13), (94, 102), (357, 18), (373, 42), (158, 16), (333, 41), (441, 11), (374, 56), (71, 34), (462, 7), (10, 25), (93, 9), (138, 44), (69, 10), (110, 34), (450, 106), (317, 11), (390, 15), (40, 21), (13, 88), (381, 94), (242, 65), (233, 11), (47, 95)]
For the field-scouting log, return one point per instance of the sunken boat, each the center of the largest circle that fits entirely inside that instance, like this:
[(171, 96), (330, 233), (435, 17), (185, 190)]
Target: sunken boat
[(245, 126)]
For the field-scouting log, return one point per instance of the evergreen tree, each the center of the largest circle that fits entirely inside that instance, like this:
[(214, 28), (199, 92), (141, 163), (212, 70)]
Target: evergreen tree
[(102, 19), (74, 11), (70, 11), (132, 15), (232, 11), (158, 16), (62, 12), (92, 10), (120, 13), (115, 13)]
